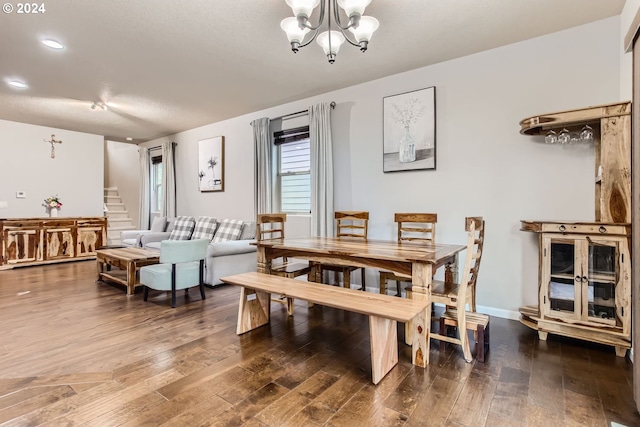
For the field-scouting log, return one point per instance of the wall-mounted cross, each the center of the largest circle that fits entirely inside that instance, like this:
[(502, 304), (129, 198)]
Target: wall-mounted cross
[(53, 149)]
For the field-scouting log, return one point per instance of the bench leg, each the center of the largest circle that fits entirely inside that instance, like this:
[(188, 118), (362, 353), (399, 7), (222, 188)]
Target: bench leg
[(253, 311), (290, 306), (383, 336)]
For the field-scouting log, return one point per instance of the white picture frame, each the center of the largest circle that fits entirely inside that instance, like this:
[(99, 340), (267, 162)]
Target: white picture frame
[(409, 130)]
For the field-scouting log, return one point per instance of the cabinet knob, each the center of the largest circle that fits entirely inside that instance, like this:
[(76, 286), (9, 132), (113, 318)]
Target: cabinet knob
[(562, 228), (578, 279), (585, 279), (602, 229)]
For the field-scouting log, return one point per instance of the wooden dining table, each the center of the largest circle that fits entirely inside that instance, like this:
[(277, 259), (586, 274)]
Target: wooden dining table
[(417, 260)]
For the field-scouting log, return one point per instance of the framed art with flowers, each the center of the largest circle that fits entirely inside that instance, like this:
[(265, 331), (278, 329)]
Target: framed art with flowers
[(409, 130), (211, 164)]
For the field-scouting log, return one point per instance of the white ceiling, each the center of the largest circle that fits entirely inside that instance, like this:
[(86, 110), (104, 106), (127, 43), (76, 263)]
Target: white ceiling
[(167, 66)]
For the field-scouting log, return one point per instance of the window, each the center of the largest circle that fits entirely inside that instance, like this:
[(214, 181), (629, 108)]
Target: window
[(294, 170), (156, 184)]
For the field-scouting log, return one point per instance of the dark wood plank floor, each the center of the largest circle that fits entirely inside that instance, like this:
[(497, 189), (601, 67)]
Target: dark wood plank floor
[(77, 353)]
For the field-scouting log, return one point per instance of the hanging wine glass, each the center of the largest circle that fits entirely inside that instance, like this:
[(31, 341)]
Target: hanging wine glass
[(551, 137), (586, 134), (564, 137)]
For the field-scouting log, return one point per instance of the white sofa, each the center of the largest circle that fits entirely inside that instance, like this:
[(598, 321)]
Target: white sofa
[(223, 258)]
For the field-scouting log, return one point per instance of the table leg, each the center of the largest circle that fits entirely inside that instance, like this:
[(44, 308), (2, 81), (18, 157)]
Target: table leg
[(100, 267), (131, 278), (421, 278)]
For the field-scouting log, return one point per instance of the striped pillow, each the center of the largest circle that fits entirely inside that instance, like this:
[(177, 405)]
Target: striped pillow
[(205, 228), (229, 229), (183, 228)]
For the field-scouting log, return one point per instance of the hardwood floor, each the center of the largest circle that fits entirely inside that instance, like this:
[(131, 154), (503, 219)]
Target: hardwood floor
[(79, 353)]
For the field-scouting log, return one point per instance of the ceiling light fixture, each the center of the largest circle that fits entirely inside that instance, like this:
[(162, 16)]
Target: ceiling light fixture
[(362, 27), (53, 44), (129, 138), (17, 84), (99, 104)]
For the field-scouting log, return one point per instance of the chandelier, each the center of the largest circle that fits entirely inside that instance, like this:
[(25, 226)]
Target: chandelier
[(297, 27)]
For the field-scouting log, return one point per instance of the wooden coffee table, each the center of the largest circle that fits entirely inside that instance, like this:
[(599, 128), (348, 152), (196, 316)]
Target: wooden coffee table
[(128, 261)]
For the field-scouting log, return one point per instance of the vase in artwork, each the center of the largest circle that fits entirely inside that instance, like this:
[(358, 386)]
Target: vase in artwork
[(407, 147), (53, 212)]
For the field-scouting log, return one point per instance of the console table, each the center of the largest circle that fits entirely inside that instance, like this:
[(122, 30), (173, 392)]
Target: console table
[(33, 241)]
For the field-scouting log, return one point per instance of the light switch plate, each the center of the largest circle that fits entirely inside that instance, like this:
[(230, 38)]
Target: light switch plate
[(4, 204), (21, 195)]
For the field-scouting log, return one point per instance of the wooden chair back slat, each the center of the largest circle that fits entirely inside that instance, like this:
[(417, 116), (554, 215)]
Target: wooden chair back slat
[(352, 224), (270, 226), (416, 226)]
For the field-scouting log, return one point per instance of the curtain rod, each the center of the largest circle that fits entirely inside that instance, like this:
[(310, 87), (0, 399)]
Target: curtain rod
[(332, 104), (160, 146)]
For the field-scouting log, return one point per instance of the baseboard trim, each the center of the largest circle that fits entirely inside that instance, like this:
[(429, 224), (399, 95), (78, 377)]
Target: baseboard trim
[(499, 312)]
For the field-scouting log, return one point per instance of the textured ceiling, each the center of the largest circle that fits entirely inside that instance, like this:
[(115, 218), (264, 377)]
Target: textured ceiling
[(167, 66)]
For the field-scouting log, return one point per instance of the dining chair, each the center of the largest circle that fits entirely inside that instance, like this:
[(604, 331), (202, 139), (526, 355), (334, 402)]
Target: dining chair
[(270, 226), (456, 296), (412, 227), (181, 267), (352, 224)]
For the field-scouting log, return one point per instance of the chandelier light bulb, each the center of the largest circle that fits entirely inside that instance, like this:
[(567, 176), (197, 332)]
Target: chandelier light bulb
[(294, 33), (337, 39), (303, 7), (364, 32), (353, 7)]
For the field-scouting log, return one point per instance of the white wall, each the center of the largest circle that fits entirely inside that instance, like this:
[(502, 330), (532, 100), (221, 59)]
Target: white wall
[(75, 175), (122, 170), (484, 166), (631, 8)]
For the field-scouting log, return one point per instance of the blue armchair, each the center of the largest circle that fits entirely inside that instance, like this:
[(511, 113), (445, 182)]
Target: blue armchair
[(181, 267)]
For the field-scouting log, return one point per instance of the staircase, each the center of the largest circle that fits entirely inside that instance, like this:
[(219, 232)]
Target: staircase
[(117, 216)]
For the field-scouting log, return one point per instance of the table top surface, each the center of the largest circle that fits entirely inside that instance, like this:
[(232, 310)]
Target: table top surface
[(389, 250), (129, 254)]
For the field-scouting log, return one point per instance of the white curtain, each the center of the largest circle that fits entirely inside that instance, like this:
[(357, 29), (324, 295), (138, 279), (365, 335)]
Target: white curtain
[(263, 164), (168, 179), (321, 170), (144, 187)]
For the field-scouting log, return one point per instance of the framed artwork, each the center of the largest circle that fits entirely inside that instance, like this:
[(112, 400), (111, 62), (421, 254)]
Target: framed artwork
[(211, 164), (409, 127)]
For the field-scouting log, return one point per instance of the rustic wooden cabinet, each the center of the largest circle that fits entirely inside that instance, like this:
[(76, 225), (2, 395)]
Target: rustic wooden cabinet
[(31, 241), (584, 282)]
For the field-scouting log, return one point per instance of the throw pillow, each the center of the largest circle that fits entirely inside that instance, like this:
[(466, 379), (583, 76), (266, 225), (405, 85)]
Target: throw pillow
[(248, 231), (158, 223), (183, 228), (205, 228), (229, 229)]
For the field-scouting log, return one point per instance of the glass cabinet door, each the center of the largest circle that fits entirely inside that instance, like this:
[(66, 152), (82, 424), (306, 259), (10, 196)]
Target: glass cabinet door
[(563, 290), (602, 278)]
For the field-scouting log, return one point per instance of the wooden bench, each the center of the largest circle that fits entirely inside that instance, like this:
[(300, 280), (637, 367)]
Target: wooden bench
[(476, 322), (384, 311)]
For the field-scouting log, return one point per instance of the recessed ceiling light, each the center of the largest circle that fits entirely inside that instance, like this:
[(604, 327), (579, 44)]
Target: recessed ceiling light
[(52, 44), (129, 138), (17, 84)]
